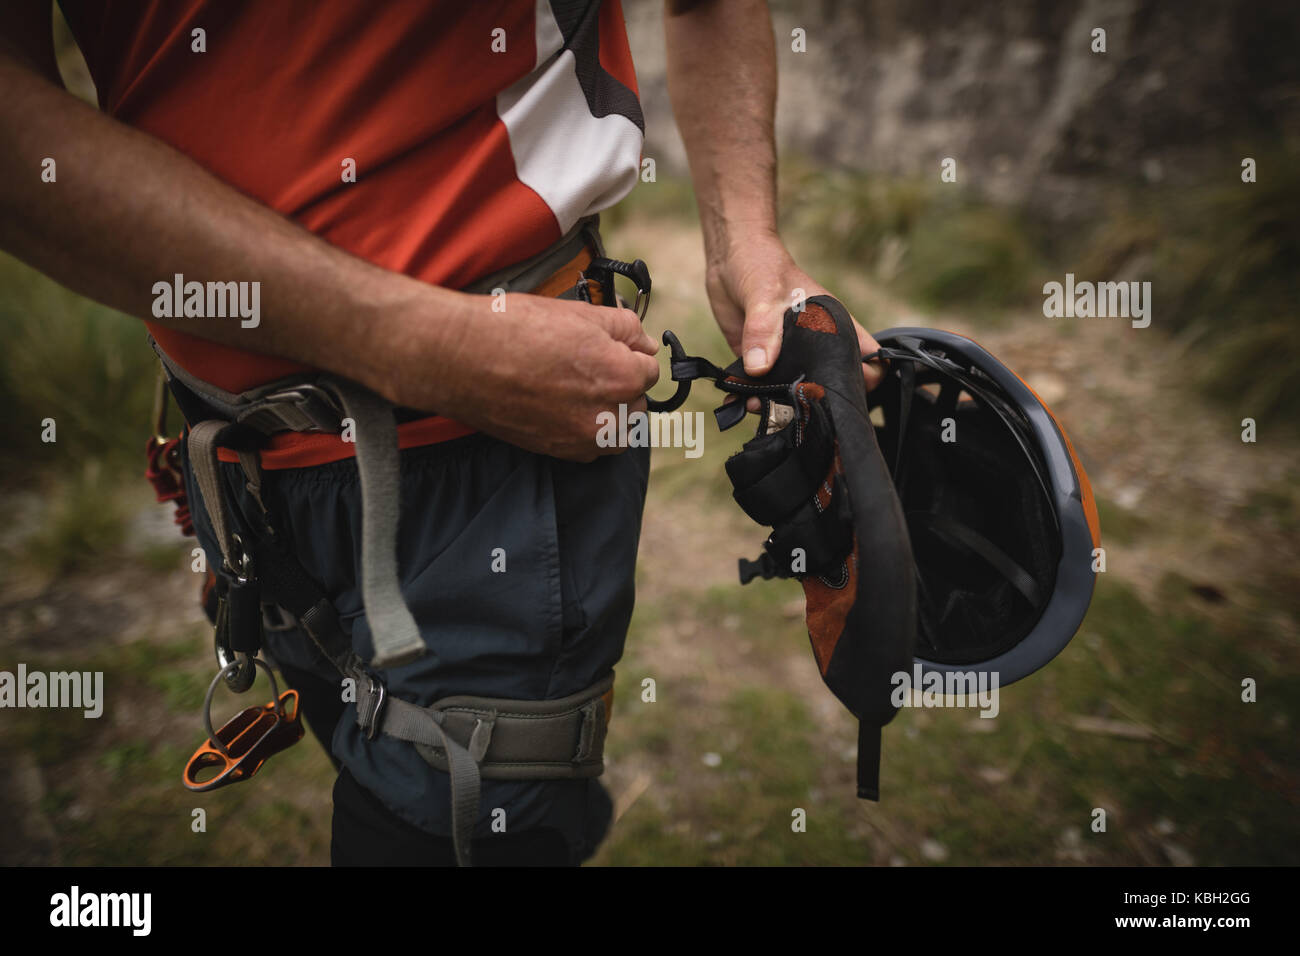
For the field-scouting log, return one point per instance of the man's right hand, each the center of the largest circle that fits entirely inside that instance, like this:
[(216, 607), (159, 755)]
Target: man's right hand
[(535, 374)]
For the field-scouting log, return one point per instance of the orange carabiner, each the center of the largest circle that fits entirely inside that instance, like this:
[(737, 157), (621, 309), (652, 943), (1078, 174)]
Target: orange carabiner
[(245, 741)]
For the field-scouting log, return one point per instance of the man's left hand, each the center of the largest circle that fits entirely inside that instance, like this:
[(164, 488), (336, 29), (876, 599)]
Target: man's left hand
[(751, 287)]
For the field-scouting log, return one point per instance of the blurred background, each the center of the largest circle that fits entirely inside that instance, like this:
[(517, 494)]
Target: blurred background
[(1117, 166)]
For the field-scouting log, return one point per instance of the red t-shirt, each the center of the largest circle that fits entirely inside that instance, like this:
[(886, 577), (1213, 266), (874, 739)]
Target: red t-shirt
[(480, 131)]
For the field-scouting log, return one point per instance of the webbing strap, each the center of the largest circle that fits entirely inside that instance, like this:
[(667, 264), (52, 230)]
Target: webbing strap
[(471, 738), (1009, 416), (202, 448), (286, 584), (423, 727), (954, 532), (868, 761), (396, 637), (907, 373)]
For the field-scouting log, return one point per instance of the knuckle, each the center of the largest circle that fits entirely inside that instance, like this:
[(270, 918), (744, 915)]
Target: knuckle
[(631, 385)]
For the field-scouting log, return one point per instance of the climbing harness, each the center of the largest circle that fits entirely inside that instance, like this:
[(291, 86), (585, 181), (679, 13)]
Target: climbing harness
[(468, 737), (968, 556)]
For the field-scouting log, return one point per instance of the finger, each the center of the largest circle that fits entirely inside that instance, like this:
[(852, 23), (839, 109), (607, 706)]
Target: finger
[(622, 325), (873, 372), (731, 321), (648, 370), (761, 340), (752, 404)]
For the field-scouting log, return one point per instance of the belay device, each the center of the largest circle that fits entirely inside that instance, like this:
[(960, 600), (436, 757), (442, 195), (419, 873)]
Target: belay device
[(973, 554)]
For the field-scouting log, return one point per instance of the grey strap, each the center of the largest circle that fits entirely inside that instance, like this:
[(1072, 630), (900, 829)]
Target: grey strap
[(423, 728), (396, 637), (202, 448), (470, 738), (464, 800), (321, 624), (529, 739), (559, 739)]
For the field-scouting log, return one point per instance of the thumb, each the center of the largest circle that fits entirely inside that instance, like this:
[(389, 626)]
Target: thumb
[(761, 340)]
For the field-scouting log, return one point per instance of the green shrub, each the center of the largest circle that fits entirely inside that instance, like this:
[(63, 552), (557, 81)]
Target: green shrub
[(84, 521), (942, 249), (67, 358)]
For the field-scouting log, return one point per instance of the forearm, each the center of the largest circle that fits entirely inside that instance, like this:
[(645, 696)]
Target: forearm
[(127, 211), (722, 82)]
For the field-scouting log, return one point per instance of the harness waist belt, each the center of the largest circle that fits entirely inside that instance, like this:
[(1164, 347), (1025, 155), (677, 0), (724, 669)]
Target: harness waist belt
[(508, 739)]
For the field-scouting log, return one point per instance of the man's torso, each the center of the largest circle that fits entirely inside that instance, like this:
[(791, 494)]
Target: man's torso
[(479, 132)]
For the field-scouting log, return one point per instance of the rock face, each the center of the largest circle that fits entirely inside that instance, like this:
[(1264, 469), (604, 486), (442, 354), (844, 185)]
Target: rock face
[(1014, 92)]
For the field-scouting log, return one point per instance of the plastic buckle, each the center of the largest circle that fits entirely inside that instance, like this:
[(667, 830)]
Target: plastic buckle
[(298, 408)]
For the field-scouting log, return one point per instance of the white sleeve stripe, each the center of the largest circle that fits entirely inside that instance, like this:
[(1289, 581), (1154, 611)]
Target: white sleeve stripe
[(577, 163), (549, 37)]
